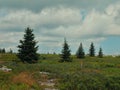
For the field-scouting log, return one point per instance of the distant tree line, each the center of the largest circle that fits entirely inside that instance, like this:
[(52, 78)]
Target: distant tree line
[(4, 51), (66, 52), (81, 54), (27, 50)]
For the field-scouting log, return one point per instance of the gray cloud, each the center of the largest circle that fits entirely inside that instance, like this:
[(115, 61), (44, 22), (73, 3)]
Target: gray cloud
[(56, 19), (37, 5)]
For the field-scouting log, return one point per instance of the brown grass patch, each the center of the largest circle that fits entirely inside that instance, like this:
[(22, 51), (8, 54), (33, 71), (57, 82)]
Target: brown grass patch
[(118, 66), (1, 62), (24, 77)]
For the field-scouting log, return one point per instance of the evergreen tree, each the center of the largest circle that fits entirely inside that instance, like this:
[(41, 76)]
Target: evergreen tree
[(3, 50), (100, 54), (92, 50), (54, 53), (10, 51), (0, 50), (27, 49), (80, 52), (65, 56)]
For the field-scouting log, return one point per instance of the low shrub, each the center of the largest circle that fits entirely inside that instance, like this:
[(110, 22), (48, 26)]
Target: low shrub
[(89, 81)]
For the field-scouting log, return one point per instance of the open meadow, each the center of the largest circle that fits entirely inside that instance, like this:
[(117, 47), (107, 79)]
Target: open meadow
[(91, 73)]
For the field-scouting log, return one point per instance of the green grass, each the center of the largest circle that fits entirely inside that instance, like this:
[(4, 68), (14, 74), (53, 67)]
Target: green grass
[(94, 74)]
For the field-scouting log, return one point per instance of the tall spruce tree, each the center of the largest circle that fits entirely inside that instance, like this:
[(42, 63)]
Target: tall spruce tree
[(27, 51), (100, 54), (65, 56), (92, 50), (80, 52)]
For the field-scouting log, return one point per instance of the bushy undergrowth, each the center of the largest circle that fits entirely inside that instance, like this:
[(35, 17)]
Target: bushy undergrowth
[(81, 74), (89, 81)]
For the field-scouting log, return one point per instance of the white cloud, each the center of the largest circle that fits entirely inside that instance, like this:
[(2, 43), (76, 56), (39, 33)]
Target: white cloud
[(55, 16), (53, 24)]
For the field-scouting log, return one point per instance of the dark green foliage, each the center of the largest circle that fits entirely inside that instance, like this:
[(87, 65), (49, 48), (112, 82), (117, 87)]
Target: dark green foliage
[(65, 56), (27, 49), (92, 50), (100, 54), (89, 81), (2, 50), (113, 83), (10, 51), (80, 53), (96, 74), (54, 53)]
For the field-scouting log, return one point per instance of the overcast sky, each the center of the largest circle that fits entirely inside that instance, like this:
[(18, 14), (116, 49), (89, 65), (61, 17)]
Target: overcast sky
[(83, 21)]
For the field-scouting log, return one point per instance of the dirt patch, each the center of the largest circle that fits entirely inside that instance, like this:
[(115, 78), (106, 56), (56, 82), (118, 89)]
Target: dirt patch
[(49, 83), (46, 82)]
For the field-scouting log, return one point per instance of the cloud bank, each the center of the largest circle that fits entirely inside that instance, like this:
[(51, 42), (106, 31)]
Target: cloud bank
[(52, 24)]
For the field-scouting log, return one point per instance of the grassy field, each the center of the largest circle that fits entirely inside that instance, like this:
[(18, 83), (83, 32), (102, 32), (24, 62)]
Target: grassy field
[(91, 73)]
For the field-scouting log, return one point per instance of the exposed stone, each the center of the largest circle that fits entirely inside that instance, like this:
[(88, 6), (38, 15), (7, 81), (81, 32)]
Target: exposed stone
[(4, 68), (46, 73), (50, 89)]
